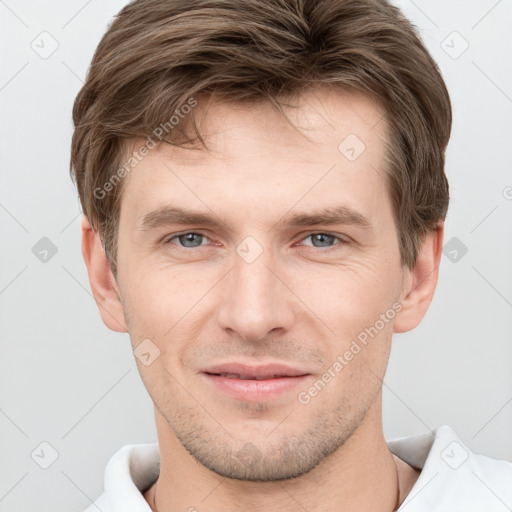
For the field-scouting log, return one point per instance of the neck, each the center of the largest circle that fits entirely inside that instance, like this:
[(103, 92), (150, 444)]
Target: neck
[(361, 475)]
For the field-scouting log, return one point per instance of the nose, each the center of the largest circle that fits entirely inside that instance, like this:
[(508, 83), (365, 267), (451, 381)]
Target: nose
[(255, 299)]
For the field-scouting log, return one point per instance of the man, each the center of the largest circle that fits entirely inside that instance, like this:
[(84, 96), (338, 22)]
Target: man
[(264, 196)]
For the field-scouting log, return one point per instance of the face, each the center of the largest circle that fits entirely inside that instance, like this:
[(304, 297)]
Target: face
[(254, 312)]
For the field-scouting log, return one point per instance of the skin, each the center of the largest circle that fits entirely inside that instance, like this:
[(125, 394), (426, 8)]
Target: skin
[(297, 304)]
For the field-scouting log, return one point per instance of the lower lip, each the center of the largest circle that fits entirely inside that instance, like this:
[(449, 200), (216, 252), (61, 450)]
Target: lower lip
[(255, 390)]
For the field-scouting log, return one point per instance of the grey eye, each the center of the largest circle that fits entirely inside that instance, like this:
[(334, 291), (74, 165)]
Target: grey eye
[(322, 239), (189, 239)]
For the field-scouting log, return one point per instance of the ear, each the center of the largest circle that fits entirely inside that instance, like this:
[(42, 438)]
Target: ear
[(103, 284), (419, 284)]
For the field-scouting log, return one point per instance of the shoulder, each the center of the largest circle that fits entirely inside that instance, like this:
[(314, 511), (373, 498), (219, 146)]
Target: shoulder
[(453, 478)]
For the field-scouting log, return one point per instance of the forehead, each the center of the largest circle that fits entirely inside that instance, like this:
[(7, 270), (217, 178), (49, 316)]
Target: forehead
[(333, 141), (319, 116)]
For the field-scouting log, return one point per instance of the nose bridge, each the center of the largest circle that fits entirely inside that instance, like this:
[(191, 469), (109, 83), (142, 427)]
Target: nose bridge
[(254, 299)]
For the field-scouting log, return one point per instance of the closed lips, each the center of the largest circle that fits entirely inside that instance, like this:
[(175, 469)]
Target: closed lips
[(248, 377), (244, 371)]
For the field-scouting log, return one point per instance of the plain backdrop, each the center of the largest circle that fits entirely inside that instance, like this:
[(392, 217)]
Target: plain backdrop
[(68, 382)]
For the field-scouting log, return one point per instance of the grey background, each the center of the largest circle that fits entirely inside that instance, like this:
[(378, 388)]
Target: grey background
[(68, 381)]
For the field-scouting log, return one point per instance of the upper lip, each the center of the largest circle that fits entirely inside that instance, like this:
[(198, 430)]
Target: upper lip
[(255, 371)]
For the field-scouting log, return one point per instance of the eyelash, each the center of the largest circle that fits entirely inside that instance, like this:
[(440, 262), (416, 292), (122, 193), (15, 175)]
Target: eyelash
[(323, 249)]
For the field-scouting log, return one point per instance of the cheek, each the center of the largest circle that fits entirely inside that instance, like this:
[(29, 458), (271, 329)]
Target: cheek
[(170, 307), (348, 297), (163, 294), (360, 353)]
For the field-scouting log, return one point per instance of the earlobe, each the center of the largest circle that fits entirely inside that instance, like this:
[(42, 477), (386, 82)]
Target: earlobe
[(103, 284), (420, 282)]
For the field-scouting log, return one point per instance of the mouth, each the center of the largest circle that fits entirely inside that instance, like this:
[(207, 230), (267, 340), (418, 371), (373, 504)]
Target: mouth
[(246, 377), (254, 382)]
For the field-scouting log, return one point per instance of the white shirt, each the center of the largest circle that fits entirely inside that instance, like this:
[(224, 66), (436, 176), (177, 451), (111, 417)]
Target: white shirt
[(453, 479)]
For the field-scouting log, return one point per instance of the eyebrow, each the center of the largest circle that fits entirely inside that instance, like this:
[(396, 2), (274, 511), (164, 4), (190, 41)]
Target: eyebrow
[(169, 215)]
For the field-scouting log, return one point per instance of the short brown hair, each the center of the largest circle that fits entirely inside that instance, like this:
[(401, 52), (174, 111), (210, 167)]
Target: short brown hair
[(157, 54)]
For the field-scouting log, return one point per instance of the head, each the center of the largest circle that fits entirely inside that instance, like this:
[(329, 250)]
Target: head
[(262, 182)]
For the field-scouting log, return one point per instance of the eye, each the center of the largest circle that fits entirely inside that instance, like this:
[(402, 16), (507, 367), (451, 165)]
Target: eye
[(188, 240), (192, 240), (320, 240)]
